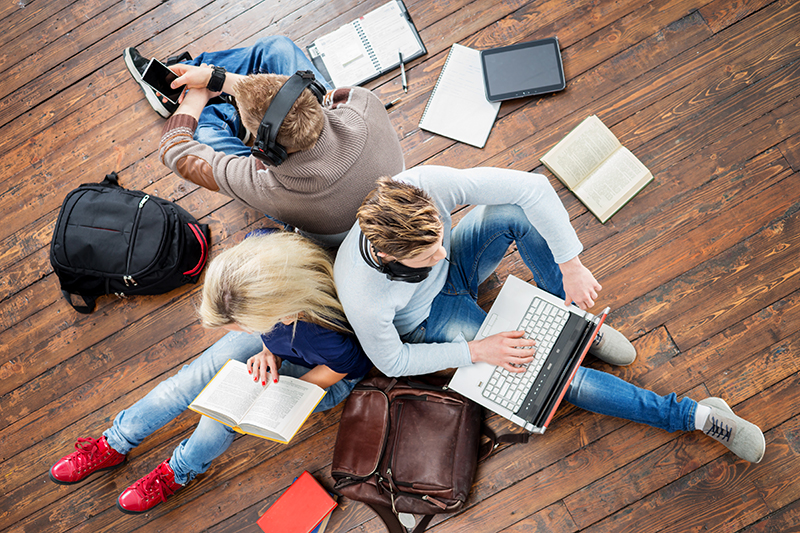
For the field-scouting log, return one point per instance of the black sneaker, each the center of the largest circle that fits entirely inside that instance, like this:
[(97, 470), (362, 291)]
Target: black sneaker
[(137, 64)]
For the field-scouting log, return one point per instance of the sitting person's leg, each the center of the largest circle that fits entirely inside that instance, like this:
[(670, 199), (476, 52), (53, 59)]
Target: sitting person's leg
[(166, 401), (221, 128), (604, 393), (192, 456), (209, 440), (219, 125), (270, 55), (479, 243), (172, 396)]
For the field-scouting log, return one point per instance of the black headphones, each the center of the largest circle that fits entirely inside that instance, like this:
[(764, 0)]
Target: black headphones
[(394, 270), (265, 147)]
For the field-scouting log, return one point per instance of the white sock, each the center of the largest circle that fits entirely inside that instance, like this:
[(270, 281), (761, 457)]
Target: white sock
[(701, 414)]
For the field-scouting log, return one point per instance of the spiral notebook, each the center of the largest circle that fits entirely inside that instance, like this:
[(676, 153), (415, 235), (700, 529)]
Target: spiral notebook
[(368, 46), (458, 108)]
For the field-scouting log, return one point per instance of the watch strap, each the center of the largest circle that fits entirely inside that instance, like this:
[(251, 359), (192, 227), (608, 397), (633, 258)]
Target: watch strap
[(217, 79)]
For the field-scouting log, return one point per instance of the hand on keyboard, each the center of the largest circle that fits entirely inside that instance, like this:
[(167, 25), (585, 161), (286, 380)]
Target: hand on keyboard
[(508, 350)]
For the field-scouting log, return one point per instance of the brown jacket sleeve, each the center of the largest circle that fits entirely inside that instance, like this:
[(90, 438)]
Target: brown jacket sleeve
[(178, 131)]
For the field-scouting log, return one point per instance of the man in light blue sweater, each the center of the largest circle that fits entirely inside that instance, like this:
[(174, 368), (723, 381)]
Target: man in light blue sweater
[(408, 281)]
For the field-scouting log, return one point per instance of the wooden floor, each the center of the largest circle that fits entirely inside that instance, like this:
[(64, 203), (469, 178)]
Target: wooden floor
[(701, 269)]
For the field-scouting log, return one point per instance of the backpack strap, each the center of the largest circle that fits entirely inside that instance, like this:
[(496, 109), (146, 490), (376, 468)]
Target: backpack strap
[(393, 524), (495, 440), (111, 180), (89, 302)]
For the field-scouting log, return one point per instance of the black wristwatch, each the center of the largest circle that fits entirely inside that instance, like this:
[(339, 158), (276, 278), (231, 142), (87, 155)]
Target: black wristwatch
[(217, 79)]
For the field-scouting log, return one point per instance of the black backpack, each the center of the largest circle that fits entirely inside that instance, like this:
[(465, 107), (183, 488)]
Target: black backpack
[(110, 240)]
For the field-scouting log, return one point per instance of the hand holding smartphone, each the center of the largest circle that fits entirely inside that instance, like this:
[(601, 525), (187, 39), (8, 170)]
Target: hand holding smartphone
[(159, 77)]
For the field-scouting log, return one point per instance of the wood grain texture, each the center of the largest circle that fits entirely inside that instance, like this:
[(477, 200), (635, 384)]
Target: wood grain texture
[(701, 269)]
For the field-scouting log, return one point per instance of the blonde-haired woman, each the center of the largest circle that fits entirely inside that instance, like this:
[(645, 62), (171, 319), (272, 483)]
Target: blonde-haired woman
[(274, 292)]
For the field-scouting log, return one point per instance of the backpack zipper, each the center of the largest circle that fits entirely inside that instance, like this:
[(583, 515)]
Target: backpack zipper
[(127, 279)]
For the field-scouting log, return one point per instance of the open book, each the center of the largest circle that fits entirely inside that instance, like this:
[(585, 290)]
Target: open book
[(274, 412), (592, 163), (367, 47)]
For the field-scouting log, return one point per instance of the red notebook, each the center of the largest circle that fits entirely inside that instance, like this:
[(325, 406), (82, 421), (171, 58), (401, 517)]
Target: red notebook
[(299, 509)]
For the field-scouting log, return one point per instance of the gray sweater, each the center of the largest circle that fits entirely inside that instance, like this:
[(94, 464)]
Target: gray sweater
[(380, 310), (317, 190)]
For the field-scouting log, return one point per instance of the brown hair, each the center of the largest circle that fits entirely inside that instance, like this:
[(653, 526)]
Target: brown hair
[(303, 124), (399, 219), (267, 278)]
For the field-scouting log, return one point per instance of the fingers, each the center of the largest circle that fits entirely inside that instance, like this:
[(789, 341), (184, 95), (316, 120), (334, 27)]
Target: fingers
[(180, 68), (272, 369), (259, 367)]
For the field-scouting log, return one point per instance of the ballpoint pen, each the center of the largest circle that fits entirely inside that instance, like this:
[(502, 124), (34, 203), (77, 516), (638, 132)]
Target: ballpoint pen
[(403, 72), (392, 103)]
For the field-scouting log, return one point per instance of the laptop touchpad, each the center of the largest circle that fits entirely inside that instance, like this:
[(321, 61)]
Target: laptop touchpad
[(496, 324)]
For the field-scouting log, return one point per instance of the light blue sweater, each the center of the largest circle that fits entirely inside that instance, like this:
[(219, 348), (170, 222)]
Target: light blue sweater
[(380, 310)]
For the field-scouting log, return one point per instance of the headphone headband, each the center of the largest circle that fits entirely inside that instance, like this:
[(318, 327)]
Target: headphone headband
[(266, 146), (394, 270)]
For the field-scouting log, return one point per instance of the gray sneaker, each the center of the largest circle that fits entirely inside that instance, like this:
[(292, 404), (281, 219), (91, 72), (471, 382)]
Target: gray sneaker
[(137, 64), (612, 347), (741, 437)]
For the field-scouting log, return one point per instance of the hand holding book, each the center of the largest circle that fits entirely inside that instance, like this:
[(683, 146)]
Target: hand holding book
[(275, 411), (264, 366)]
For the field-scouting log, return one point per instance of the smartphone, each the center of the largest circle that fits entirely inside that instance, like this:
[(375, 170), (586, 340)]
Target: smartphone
[(159, 77)]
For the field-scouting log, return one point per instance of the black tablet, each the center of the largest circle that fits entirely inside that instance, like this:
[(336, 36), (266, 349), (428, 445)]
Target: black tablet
[(523, 69)]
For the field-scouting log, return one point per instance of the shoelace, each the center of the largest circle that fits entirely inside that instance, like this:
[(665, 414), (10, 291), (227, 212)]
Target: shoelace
[(87, 451), (154, 482), (719, 430)]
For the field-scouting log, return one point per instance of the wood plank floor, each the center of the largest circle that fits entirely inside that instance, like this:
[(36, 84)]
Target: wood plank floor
[(701, 269)]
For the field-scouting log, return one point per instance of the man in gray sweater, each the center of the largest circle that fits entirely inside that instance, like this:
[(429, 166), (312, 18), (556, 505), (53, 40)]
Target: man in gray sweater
[(335, 150)]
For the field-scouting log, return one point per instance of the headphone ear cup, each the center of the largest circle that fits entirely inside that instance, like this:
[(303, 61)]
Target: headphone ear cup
[(274, 156), (318, 90)]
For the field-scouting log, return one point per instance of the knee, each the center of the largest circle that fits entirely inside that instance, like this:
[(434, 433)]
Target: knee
[(210, 134), (512, 214), (465, 328), (276, 44)]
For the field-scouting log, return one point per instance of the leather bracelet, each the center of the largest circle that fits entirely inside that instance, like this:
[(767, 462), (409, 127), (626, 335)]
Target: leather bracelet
[(217, 79)]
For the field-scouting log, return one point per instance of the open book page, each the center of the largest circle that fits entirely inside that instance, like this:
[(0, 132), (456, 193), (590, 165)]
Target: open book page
[(282, 408), (368, 45), (613, 184), (458, 107), (229, 395), (581, 151)]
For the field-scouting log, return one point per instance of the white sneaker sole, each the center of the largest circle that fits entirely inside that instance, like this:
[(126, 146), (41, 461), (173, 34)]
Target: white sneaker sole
[(152, 99)]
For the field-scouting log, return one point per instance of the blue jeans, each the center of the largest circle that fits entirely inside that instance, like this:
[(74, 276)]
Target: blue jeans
[(172, 396), (219, 123), (478, 244)]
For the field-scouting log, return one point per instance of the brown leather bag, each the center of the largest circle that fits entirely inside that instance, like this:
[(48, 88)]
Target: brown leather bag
[(408, 446)]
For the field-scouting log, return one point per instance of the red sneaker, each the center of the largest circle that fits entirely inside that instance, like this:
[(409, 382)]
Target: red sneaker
[(92, 455), (149, 491)]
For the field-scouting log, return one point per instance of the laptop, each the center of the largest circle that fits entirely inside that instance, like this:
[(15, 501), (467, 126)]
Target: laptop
[(563, 336)]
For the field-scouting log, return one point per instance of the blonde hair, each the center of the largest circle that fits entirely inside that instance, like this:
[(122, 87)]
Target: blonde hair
[(303, 124), (267, 278), (399, 219)]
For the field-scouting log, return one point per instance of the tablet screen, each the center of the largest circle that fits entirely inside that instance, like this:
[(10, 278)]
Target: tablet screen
[(523, 69)]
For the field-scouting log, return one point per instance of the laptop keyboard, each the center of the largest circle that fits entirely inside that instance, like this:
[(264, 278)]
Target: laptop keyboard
[(543, 322)]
